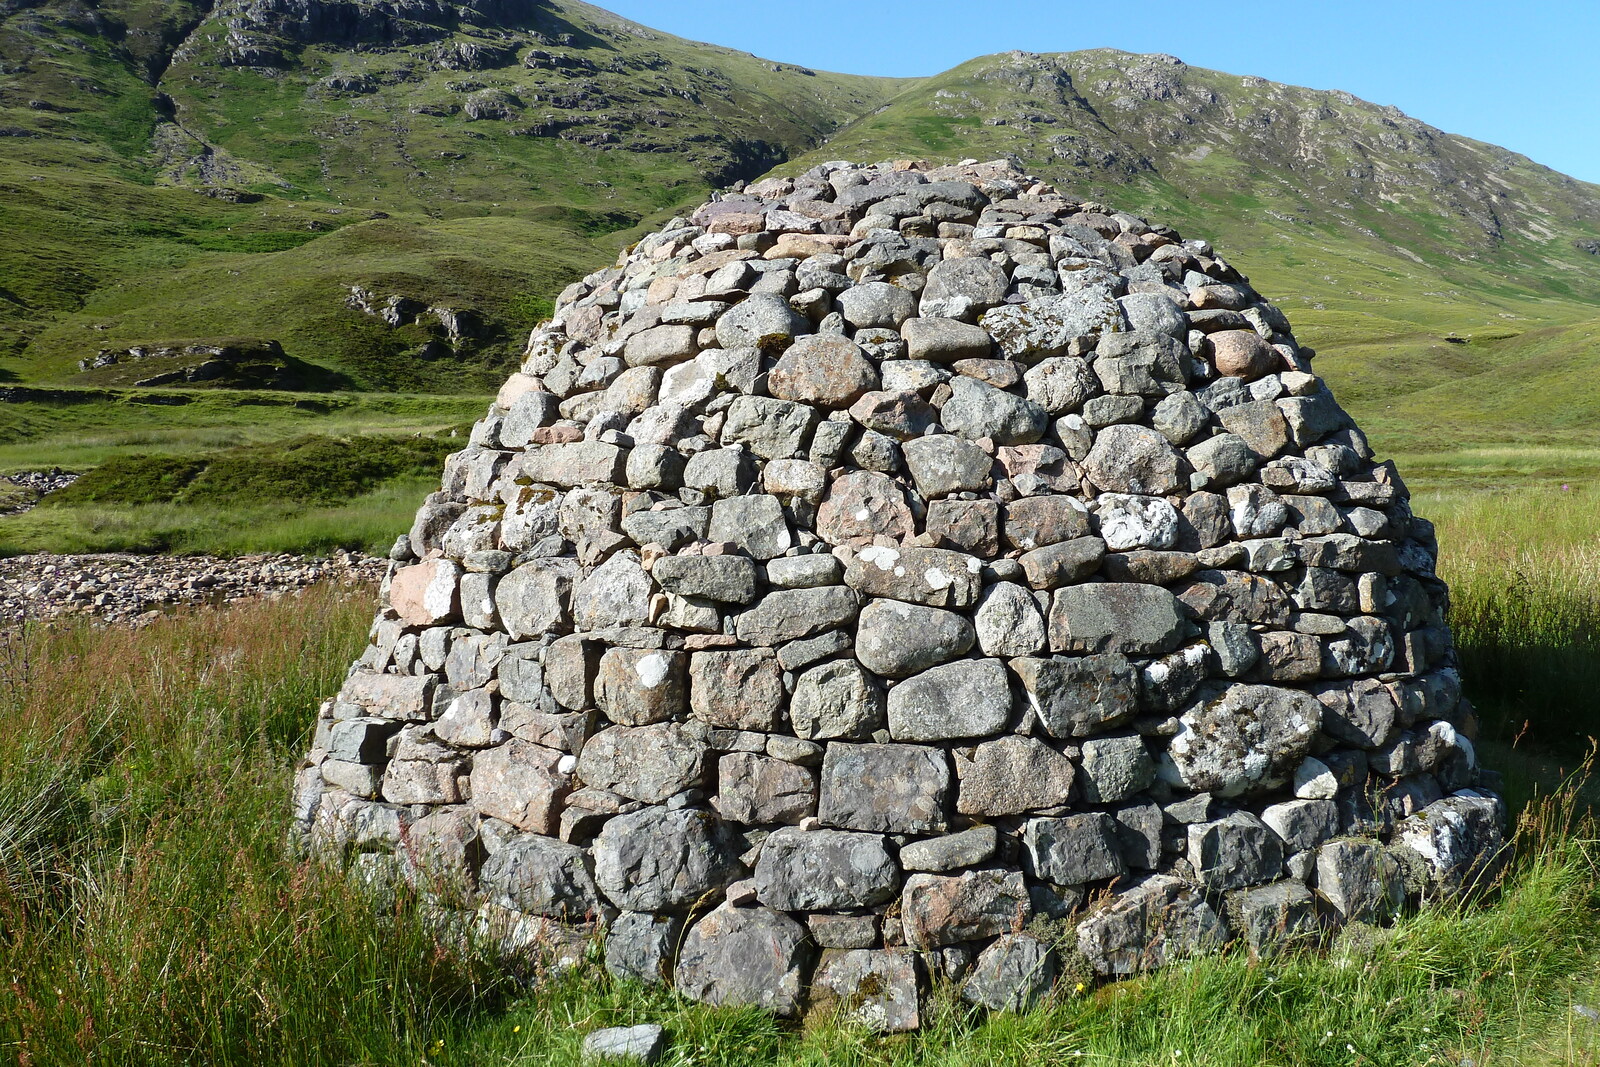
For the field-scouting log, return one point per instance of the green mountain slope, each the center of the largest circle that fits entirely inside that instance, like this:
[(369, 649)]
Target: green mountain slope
[(1262, 166), (1379, 234), (178, 173)]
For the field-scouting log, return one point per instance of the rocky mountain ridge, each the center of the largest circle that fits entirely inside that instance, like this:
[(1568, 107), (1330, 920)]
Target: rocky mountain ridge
[(1154, 126)]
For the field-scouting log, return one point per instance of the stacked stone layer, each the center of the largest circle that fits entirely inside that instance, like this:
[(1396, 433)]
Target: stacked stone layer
[(899, 572)]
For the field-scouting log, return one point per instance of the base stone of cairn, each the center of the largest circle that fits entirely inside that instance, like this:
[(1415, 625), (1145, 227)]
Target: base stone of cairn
[(901, 573)]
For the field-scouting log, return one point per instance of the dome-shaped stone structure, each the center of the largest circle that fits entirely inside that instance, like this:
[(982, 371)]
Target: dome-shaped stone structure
[(898, 572)]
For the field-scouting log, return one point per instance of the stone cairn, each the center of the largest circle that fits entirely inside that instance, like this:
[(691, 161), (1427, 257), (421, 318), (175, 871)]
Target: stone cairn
[(901, 572)]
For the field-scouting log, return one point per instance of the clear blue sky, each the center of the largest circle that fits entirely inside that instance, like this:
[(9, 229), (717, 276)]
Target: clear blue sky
[(1520, 75)]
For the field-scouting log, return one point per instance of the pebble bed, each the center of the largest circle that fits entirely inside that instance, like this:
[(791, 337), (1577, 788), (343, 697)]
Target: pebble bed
[(124, 588)]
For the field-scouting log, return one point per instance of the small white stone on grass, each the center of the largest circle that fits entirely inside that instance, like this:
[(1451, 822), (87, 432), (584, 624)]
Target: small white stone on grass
[(641, 1044)]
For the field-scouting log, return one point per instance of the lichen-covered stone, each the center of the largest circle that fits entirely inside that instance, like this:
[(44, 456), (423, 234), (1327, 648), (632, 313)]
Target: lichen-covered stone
[(942, 340), (968, 698), (1457, 841), (738, 956), (837, 699), (639, 686), (935, 577), (1014, 973), (1235, 851), (824, 870), (864, 504), (897, 639), (1118, 617), (880, 989), (536, 598), (965, 849), (1133, 459), (1044, 327), (521, 783), (616, 593), (763, 321), (791, 614), (646, 763), (1073, 849), (1116, 768), (963, 289), (885, 788), (1036, 521), (757, 790), (1008, 621), (1360, 881), (728, 579), (660, 858), (540, 876), (1273, 918), (977, 409), (1302, 823), (635, 1044), (1159, 920), (737, 689), (941, 464), (1243, 739), (940, 910), (640, 946), (426, 593), (1074, 696), (1011, 775), (827, 371)]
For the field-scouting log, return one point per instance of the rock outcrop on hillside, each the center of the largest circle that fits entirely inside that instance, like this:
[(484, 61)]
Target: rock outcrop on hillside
[(897, 573)]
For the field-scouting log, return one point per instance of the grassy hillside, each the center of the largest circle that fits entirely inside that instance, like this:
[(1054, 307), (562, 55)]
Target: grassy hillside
[(177, 173), (1298, 182)]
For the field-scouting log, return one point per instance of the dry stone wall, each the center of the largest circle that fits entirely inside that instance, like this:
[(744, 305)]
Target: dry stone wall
[(902, 572)]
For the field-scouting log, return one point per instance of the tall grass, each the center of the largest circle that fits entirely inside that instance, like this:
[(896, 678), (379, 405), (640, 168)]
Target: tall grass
[(1524, 575), (148, 911)]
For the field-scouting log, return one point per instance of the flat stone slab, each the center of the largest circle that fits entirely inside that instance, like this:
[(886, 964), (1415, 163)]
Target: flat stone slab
[(630, 1044)]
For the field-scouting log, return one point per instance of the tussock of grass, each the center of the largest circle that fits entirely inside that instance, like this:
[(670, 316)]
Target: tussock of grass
[(134, 479)]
